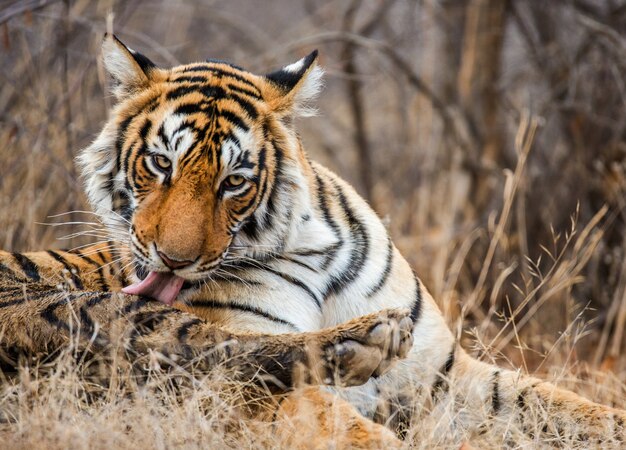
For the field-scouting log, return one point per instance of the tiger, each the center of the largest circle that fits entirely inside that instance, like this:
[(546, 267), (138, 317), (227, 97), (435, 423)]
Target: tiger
[(214, 208)]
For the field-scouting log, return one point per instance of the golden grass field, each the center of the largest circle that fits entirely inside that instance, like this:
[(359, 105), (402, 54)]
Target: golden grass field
[(490, 135)]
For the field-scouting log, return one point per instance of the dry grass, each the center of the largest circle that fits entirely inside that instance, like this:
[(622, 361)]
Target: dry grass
[(427, 108)]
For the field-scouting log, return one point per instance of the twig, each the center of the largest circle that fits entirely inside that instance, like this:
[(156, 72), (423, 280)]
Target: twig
[(21, 6), (405, 68), (355, 100), (523, 142)]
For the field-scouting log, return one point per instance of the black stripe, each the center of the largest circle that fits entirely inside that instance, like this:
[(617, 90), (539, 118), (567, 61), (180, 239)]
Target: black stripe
[(245, 91), (149, 106), (521, 400), (521, 397), (229, 74), (133, 175), (284, 276), (70, 268), (241, 80), (190, 159), (244, 209), (272, 193), (29, 295), (263, 175), (49, 314), (183, 330), (359, 252), (98, 298), (10, 275), (296, 282), (315, 252), (188, 124), (237, 279), (10, 291), (28, 266), (181, 91), (233, 119), (386, 271), (189, 109), (495, 394), (416, 309), (261, 164), (295, 261), (104, 285), (618, 428), (12, 303), (251, 228), (163, 137), (204, 303), (126, 164), (86, 322), (145, 129), (441, 384), (212, 92), (196, 67), (145, 322), (245, 105), (133, 306), (119, 144), (323, 206), (190, 79)]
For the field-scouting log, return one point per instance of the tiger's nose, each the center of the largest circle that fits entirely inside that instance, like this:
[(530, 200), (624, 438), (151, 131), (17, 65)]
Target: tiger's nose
[(174, 263)]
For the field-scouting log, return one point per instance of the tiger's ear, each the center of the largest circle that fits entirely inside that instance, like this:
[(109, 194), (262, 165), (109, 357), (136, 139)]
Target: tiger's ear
[(129, 70), (292, 89)]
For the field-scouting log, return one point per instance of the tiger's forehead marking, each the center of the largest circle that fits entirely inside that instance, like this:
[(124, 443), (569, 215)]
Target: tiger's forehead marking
[(176, 134), (215, 132), (238, 152)]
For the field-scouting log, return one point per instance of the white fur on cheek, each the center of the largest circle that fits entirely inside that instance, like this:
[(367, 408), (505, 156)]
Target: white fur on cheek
[(97, 162)]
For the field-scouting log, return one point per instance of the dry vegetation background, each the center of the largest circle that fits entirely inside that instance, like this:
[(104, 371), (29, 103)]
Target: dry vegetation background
[(490, 133)]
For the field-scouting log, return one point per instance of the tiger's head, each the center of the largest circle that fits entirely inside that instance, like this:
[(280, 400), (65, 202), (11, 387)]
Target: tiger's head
[(195, 157)]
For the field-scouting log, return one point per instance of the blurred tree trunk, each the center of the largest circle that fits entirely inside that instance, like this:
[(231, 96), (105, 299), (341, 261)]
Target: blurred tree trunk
[(356, 99), (439, 60), (477, 86), (356, 102)]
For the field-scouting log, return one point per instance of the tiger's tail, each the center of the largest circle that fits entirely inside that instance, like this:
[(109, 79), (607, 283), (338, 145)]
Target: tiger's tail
[(484, 395)]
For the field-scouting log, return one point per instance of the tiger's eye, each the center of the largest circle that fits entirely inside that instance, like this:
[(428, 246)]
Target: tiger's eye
[(234, 181), (162, 163)]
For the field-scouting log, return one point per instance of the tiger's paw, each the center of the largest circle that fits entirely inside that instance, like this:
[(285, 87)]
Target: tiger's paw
[(367, 346)]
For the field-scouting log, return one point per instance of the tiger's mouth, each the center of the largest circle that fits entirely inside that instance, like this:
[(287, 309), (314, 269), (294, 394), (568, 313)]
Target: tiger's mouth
[(161, 286)]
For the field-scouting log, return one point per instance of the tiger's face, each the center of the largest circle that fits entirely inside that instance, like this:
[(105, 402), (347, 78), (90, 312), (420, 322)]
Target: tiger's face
[(190, 154), (193, 175)]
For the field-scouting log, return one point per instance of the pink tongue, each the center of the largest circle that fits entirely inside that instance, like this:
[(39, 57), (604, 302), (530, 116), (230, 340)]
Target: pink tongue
[(160, 286)]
